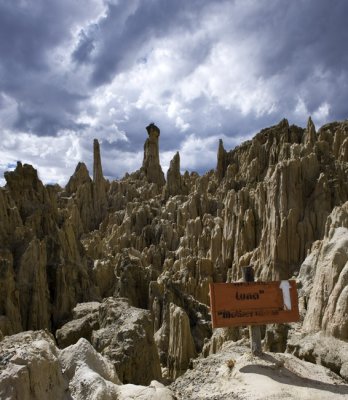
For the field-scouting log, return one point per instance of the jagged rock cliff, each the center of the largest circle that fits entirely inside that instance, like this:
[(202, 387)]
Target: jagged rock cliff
[(325, 271), (278, 190), (44, 267), (160, 243)]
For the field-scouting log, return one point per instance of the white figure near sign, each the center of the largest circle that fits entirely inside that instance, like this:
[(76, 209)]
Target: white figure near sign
[(285, 287)]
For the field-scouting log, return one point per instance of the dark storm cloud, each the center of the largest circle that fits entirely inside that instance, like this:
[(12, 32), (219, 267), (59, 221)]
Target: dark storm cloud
[(44, 123), (25, 34), (29, 32), (293, 40), (124, 35), (85, 46), (314, 33), (305, 36), (43, 108)]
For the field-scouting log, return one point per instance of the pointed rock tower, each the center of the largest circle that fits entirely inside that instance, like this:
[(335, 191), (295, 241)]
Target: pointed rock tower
[(221, 161), (175, 184), (97, 167), (151, 164), (79, 177), (99, 185), (310, 134)]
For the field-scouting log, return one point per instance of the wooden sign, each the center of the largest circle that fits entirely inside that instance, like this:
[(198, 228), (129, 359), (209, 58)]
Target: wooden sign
[(253, 303)]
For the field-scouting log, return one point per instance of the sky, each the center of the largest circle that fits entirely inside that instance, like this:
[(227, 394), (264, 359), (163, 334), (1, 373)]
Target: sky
[(75, 70)]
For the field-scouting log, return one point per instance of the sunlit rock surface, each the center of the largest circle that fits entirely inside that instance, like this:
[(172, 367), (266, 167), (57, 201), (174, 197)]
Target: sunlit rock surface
[(127, 264)]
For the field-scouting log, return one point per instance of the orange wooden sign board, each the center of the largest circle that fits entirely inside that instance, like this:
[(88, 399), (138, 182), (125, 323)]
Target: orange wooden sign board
[(253, 303)]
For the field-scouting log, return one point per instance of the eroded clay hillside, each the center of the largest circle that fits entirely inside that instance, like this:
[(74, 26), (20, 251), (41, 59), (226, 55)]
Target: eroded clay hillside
[(127, 264)]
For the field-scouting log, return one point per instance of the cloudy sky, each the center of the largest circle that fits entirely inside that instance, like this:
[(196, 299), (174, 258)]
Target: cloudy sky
[(74, 70)]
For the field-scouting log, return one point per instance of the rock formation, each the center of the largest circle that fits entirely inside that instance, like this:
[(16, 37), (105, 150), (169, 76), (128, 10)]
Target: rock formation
[(221, 161), (85, 321), (126, 338), (44, 268), (175, 183), (99, 186), (30, 368), (137, 254), (33, 368), (321, 349), (181, 346), (88, 196), (327, 296), (79, 178), (278, 194), (151, 163)]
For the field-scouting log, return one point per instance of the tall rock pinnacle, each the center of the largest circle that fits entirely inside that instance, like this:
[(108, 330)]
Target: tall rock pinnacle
[(99, 187), (175, 184), (97, 167), (310, 134), (221, 161), (151, 164)]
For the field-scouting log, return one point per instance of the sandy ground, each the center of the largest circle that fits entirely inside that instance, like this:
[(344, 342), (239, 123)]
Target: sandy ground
[(234, 374)]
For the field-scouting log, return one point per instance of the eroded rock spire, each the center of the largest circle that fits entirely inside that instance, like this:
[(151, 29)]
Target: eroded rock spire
[(151, 162), (97, 167), (221, 161), (99, 185), (310, 134), (175, 184)]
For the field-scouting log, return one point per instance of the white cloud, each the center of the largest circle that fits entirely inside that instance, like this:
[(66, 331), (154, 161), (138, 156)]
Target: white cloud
[(224, 70), (200, 154), (301, 110), (319, 116), (228, 78), (322, 113), (53, 157), (116, 163)]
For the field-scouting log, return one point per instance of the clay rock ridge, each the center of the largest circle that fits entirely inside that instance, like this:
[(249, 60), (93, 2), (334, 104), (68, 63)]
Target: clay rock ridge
[(160, 243), (33, 368), (44, 268)]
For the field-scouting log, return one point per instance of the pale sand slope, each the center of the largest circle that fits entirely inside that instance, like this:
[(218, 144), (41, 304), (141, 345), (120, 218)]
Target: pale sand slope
[(233, 373)]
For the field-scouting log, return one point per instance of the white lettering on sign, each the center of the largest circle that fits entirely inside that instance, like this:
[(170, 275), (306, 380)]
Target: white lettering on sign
[(285, 287)]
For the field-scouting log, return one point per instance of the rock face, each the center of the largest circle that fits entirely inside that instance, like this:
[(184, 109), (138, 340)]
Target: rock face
[(181, 346), (175, 183), (10, 320), (125, 337), (79, 178), (122, 333), (79, 191), (85, 320), (151, 163), (44, 268), (321, 349), (87, 197), (92, 376), (278, 194), (328, 295), (89, 374), (277, 201), (30, 368)]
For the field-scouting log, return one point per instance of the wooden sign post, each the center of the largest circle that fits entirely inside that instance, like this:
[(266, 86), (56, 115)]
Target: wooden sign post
[(254, 330), (253, 303)]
